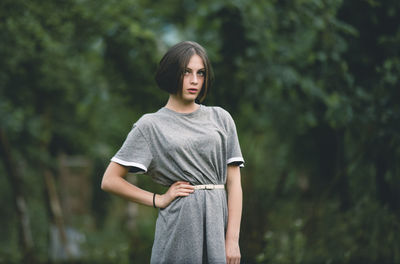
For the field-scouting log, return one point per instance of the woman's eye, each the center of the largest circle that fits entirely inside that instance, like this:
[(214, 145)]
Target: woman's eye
[(201, 73), (186, 72)]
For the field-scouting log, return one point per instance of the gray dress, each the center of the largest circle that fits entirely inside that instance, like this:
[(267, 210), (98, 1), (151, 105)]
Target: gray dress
[(194, 147)]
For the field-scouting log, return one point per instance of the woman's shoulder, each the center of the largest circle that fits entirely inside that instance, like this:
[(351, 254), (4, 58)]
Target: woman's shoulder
[(220, 112), (147, 120)]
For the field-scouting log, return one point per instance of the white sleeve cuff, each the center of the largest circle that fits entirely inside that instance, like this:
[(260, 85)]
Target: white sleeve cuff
[(236, 159), (129, 164)]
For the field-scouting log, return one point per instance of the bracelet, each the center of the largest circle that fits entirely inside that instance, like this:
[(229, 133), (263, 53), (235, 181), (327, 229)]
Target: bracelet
[(154, 200)]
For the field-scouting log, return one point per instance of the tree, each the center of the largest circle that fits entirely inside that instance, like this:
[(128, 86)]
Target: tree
[(57, 82)]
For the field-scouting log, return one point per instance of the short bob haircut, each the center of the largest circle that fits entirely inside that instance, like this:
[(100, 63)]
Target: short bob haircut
[(170, 72)]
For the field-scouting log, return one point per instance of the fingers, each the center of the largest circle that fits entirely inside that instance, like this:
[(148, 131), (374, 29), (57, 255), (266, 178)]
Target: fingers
[(181, 188), (183, 183), (232, 253), (233, 260)]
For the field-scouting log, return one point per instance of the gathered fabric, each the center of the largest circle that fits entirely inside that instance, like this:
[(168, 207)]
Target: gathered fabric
[(197, 148)]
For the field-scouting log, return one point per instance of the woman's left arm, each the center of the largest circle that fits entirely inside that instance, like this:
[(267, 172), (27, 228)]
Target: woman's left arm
[(235, 198)]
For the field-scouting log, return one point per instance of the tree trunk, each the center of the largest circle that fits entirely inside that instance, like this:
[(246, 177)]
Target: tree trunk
[(343, 181), (14, 177), (384, 191), (55, 208), (54, 205)]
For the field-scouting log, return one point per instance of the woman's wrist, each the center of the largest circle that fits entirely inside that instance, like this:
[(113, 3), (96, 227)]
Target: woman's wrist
[(232, 237), (154, 200), (160, 201)]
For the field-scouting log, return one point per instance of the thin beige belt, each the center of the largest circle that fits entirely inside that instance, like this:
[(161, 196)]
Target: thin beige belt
[(209, 187)]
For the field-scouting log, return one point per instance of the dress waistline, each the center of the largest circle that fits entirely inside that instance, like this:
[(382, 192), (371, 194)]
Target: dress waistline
[(209, 187)]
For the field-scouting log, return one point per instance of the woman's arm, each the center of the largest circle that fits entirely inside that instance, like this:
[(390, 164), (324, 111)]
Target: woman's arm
[(114, 182), (235, 196)]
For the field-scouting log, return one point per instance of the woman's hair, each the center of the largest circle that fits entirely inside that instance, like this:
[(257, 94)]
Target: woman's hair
[(169, 75)]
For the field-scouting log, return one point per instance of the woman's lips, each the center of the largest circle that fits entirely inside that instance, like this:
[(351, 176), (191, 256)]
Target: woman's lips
[(192, 90)]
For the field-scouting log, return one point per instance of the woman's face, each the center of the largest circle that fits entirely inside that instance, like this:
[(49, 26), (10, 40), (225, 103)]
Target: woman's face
[(193, 79)]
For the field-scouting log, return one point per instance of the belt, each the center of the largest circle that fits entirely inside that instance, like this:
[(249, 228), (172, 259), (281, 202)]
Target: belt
[(209, 187)]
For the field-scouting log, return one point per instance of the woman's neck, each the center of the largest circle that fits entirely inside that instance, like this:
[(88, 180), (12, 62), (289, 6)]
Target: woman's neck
[(176, 104)]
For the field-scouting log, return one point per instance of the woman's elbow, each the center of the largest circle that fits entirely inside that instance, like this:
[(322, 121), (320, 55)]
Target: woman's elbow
[(112, 176), (106, 183)]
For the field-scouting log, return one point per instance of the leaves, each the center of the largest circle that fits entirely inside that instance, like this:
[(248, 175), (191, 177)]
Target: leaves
[(311, 84)]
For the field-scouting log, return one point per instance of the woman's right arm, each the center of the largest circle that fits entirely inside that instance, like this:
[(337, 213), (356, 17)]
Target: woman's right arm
[(114, 182)]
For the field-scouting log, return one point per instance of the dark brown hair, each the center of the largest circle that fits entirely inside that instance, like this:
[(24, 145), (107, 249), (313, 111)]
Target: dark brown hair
[(169, 75)]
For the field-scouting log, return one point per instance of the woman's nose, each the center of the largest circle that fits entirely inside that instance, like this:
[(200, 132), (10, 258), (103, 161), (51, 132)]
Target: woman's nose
[(194, 79)]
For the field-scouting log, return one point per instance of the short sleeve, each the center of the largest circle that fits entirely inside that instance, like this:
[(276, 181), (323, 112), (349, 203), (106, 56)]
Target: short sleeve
[(135, 152), (234, 154)]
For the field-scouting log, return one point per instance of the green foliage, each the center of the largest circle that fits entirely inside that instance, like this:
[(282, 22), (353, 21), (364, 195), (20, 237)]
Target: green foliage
[(285, 240), (110, 244), (311, 84)]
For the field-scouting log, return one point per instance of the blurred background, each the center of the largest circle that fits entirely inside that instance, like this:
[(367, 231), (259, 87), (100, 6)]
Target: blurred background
[(314, 88)]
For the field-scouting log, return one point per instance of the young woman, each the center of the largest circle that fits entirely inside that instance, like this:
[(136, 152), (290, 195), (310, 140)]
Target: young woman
[(193, 149)]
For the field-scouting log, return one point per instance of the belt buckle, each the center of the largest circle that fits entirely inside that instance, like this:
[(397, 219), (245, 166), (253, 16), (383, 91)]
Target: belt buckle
[(209, 187)]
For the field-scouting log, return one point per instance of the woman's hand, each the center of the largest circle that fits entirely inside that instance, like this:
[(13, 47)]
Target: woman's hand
[(234, 190), (177, 189), (232, 251)]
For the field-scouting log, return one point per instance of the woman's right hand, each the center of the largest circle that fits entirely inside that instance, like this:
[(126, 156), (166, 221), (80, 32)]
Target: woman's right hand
[(177, 189)]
